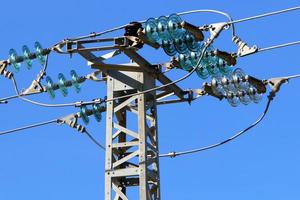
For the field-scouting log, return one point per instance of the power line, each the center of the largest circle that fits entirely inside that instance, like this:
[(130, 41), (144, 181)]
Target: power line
[(281, 80), (29, 127), (175, 154), (265, 15)]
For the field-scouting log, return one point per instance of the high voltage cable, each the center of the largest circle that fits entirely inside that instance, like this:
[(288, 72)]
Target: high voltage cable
[(193, 70), (56, 121), (175, 154), (265, 15), (94, 34), (270, 98), (279, 46)]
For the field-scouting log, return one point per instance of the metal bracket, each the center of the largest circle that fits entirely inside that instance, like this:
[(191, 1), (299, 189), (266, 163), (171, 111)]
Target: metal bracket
[(194, 30), (215, 30), (3, 71), (36, 86), (243, 48), (208, 90), (228, 57), (93, 76), (71, 120), (275, 84)]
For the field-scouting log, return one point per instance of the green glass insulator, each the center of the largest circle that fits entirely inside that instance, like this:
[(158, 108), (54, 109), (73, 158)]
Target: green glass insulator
[(185, 62), (75, 80), (83, 115), (49, 87), (169, 47), (180, 46), (151, 30), (162, 28), (39, 53), (96, 112), (26, 55), (191, 43), (13, 56), (174, 26), (62, 85)]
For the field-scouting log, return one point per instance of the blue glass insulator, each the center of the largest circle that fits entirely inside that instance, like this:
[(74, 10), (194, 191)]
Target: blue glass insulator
[(202, 72), (49, 87), (244, 97), (83, 115), (174, 26), (185, 62), (255, 97), (191, 43), (75, 80), (232, 99), (61, 84), (212, 65), (228, 85), (217, 87), (169, 48), (180, 46), (26, 54), (13, 60), (223, 67), (239, 80), (39, 53), (96, 112), (162, 28), (151, 30)]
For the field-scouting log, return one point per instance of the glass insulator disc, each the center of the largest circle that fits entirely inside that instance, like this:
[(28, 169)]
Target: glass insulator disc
[(162, 28), (232, 99), (184, 61), (169, 48), (180, 46), (75, 82), (239, 80), (255, 97), (174, 26), (49, 87), (244, 97), (39, 53), (83, 115), (151, 30), (13, 56), (96, 113), (26, 54), (191, 43), (62, 86)]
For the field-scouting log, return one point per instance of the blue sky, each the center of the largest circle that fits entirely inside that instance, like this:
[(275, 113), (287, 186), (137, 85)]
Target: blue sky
[(55, 162)]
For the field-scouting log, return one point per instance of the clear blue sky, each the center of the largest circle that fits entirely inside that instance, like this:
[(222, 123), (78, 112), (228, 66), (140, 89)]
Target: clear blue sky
[(56, 163)]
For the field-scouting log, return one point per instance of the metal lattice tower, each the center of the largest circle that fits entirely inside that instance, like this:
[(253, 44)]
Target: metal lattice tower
[(131, 154)]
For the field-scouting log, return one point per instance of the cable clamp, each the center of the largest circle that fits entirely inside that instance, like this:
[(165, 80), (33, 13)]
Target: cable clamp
[(275, 84), (215, 30), (243, 48), (3, 71), (36, 86), (71, 120), (93, 76)]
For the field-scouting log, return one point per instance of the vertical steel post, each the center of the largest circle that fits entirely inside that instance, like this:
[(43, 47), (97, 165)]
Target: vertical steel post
[(132, 163)]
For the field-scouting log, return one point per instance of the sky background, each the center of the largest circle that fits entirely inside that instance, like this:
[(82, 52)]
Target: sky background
[(55, 162)]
